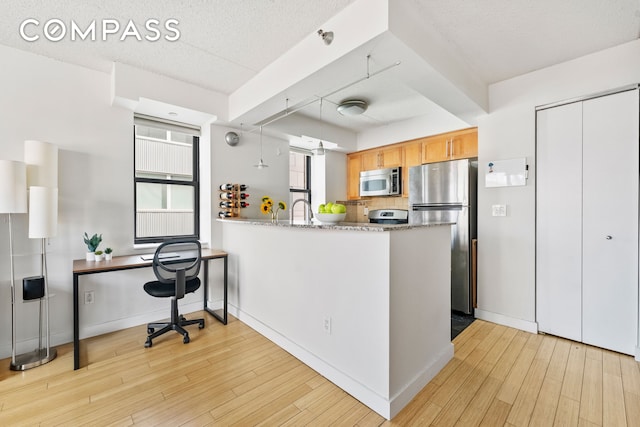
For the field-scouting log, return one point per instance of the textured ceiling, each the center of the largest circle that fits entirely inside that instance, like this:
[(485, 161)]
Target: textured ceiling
[(225, 43)]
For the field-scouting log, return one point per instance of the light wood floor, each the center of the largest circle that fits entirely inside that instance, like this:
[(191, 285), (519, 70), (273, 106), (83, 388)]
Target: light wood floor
[(232, 375)]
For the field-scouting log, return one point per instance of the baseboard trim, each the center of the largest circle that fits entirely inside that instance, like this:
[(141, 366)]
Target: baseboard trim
[(29, 344), (387, 408), (512, 322)]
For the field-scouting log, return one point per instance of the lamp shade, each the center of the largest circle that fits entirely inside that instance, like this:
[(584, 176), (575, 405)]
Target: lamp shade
[(13, 187), (43, 212), (42, 163)]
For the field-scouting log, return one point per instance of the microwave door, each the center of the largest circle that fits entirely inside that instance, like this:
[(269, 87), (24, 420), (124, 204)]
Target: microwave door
[(378, 185)]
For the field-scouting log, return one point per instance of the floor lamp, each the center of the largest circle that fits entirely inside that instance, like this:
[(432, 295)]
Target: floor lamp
[(43, 220), (41, 159), (13, 199)]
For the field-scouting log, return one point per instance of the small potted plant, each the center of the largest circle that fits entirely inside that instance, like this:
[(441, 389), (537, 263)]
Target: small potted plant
[(92, 244), (99, 255), (108, 254)]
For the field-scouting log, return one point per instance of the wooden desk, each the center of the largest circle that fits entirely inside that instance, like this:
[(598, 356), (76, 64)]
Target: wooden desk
[(128, 262)]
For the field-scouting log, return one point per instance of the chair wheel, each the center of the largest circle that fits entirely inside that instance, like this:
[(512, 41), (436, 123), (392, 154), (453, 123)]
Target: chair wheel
[(186, 339), (150, 330), (201, 325), (148, 343)]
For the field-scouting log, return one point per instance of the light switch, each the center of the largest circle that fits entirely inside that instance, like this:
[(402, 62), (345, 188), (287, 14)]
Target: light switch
[(499, 210)]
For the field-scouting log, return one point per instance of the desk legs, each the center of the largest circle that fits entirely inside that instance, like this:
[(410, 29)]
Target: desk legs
[(222, 318), (76, 308), (76, 325)]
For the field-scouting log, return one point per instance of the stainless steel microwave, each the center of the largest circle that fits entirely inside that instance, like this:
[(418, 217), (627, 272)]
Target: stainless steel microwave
[(380, 182)]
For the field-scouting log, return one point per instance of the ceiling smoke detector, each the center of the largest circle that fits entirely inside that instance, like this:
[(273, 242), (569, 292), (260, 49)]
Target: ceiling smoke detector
[(352, 107)]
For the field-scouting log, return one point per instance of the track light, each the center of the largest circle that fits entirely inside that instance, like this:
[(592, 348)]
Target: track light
[(327, 36)]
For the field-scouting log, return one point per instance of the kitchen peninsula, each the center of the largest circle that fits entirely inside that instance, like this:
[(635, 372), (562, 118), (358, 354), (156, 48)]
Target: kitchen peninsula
[(365, 305)]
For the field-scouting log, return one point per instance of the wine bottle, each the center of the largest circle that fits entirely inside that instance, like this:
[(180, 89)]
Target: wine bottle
[(243, 204), (243, 187), (243, 195), (223, 214), (226, 187), (227, 204), (228, 196)]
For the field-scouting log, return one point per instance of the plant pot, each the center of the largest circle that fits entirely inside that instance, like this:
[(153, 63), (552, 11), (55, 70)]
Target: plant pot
[(91, 256), (99, 257), (108, 257)]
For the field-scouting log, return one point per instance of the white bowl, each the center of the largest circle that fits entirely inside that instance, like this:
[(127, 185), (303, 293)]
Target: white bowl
[(330, 218)]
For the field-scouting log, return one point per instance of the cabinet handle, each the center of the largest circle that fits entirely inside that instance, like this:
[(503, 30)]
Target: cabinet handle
[(446, 149), (451, 147), (609, 237)]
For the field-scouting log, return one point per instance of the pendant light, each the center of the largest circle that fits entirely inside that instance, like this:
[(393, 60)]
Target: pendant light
[(320, 150), (261, 164)]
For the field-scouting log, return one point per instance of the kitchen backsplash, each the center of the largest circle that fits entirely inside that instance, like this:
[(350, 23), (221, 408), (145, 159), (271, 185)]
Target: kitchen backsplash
[(356, 208)]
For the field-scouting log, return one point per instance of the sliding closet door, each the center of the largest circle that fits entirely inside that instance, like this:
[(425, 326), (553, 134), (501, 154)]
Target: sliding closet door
[(610, 221), (559, 221)]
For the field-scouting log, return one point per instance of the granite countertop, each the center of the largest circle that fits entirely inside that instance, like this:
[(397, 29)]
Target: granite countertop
[(351, 226)]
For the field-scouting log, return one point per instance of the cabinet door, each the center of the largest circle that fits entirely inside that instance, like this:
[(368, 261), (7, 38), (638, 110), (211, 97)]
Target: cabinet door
[(435, 149), (610, 221), (559, 221), (412, 153), (354, 166), (464, 145), (391, 157), (371, 160)]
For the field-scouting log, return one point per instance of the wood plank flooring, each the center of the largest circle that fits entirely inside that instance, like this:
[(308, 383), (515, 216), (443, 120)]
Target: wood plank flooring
[(231, 375)]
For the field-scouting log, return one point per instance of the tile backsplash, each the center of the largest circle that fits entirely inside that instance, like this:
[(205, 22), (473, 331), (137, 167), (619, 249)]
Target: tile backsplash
[(356, 208)]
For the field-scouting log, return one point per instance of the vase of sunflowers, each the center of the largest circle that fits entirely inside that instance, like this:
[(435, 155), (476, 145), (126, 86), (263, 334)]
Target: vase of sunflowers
[(267, 207)]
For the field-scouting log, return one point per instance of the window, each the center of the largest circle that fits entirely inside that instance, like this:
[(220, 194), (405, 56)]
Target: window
[(166, 190), (299, 183)]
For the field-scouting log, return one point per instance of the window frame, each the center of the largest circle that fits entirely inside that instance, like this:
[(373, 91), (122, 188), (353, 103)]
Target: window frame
[(194, 183), (307, 178)]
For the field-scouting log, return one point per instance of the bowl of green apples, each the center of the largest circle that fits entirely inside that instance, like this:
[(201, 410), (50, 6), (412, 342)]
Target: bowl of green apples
[(331, 213)]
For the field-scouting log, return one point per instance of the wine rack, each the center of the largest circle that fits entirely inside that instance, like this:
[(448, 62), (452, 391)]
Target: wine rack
[(231, 199)]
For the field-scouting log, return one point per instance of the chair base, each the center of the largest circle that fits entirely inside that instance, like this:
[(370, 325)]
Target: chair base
[(177, 324)]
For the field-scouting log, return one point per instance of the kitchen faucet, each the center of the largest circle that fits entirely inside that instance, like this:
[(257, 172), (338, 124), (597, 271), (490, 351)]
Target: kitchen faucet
[(306, 202)]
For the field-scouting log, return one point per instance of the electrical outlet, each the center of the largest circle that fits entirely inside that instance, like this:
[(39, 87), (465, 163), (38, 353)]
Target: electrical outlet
[(89, 297), (499, 210), (327, 324)]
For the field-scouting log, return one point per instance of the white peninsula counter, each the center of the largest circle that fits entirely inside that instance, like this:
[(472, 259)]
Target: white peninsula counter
[(367, 306)]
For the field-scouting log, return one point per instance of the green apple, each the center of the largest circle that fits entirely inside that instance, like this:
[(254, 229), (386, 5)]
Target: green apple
[(321, 209), (338, 208), (327, 207)]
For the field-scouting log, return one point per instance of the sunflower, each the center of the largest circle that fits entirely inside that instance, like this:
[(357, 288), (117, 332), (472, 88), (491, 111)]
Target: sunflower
[(267, 207)]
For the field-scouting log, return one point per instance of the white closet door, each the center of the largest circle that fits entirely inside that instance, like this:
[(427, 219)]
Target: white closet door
[(559, 221), (610, 221)]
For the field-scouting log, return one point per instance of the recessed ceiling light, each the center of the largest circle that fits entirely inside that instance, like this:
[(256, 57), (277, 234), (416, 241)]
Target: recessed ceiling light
[(173, 113), (352, 107)]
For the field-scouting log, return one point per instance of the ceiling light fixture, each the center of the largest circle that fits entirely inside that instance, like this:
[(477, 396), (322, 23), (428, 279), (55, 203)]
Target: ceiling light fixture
[(352, 107), (327, 36), (261, 164), (320, 150)]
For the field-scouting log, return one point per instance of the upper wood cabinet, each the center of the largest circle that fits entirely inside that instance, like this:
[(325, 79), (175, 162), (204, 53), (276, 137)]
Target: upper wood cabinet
[(381, 158), (461, 144), (412, 154), (354, 166)]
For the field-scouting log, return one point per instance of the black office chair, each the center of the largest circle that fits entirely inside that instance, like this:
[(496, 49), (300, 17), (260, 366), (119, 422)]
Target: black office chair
[(176, 265)]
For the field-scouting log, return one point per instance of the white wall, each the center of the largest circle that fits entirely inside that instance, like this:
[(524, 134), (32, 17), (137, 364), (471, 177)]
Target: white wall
[(235, 165), (506, 245), (439, 121), (70, 106)]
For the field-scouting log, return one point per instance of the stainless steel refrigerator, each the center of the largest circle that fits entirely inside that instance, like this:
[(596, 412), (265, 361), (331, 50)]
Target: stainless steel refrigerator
[(446, 191)]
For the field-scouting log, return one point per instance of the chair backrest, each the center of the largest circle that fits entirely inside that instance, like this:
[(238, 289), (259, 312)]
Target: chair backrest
[(175, 259)]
